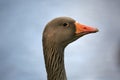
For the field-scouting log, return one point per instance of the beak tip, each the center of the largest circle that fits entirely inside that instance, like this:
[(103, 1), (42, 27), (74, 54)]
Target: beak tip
[(96, 30)]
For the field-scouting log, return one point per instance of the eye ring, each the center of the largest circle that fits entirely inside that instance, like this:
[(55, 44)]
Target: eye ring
[(65, 24)]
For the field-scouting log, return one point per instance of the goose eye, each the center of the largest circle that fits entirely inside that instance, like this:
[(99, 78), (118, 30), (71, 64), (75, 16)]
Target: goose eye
[(65, 24)]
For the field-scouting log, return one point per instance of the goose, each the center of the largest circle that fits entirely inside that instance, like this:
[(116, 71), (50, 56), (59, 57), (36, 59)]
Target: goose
[(58, 33)]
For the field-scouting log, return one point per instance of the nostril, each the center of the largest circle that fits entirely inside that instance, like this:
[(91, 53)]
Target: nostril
[(84, 28)]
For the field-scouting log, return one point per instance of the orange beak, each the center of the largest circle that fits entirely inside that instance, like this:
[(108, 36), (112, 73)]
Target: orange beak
[(80, 28)]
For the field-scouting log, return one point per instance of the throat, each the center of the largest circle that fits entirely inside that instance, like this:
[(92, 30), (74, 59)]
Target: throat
[(54, 62)]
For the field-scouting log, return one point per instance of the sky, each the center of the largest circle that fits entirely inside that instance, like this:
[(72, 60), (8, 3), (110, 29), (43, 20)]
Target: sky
[(92, 57)]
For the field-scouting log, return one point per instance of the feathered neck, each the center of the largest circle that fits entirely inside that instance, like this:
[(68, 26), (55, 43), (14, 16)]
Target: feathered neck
[(54, 61)]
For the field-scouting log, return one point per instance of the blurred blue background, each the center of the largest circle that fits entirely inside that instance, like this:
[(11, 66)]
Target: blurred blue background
[(92, 57)]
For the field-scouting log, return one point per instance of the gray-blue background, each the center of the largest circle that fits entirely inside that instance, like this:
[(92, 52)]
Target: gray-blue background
[(93, 57)]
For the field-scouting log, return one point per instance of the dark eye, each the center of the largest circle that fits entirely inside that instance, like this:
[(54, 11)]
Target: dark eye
[(65, 24)]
